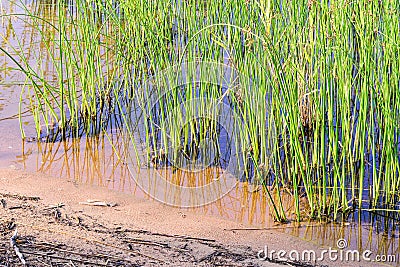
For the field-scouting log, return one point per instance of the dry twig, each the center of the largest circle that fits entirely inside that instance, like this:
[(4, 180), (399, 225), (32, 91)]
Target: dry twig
[(13, 243)]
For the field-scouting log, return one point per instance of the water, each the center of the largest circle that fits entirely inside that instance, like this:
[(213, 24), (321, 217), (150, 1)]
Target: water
[(91, 159)]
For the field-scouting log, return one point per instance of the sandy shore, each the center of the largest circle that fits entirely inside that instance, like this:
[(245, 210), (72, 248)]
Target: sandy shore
[(59, 225)]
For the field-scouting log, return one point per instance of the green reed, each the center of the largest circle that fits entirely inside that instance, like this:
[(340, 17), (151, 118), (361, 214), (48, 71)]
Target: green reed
[(320, 110)]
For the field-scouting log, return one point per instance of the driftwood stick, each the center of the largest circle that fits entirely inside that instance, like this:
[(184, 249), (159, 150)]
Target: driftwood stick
[(152, 243), (13, 243), (20, 197), (59, 205), (167, 235), (185, 237), (64, 258), (98, 255), (146, 242)]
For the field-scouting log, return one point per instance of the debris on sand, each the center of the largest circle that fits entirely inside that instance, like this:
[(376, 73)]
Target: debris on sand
[(93, 202)]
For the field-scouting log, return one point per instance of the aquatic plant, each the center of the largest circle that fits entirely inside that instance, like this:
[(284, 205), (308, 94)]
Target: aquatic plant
[(320, 111)]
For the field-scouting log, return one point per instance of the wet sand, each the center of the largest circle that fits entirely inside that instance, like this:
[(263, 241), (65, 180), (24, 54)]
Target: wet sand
[(59, 223)]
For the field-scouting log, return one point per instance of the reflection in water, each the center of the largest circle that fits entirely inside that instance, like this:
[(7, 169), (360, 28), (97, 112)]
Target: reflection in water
[(92, 160), (28, 43), (358, 236)]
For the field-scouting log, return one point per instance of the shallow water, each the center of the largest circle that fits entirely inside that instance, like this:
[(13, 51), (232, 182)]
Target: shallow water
[(91, 160)]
